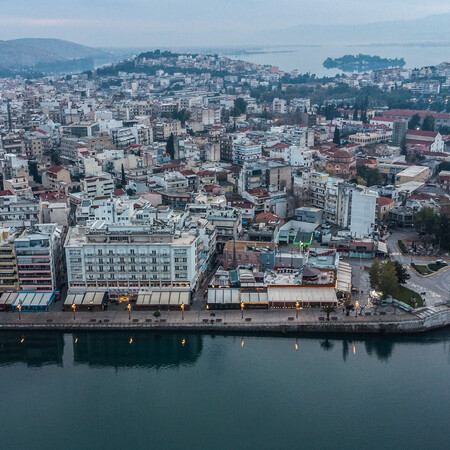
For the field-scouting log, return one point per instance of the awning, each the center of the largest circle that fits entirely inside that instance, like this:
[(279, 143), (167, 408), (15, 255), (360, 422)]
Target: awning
[(300, 294)]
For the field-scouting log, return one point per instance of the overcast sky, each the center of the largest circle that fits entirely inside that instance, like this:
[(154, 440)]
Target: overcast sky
[(139, 23)]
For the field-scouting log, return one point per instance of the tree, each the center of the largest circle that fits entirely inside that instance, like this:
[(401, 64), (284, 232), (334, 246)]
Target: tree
[(373, 177), (33, 170), (183, 115), (337, 136), (348, 306), (364, 116), (414, 122), (240, 106), (402, 274), (383, 277), (130, 192), (54, 158), (427, 221), (428, 123), (328, 310), (170, 146), (403, 148), (388, 284), (123, 180), (444, 233), (374, 273), (355, 113)]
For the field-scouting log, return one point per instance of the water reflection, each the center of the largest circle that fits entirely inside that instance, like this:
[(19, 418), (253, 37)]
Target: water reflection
[(158, 350), (327, 344), (35, 349), (121, 349)]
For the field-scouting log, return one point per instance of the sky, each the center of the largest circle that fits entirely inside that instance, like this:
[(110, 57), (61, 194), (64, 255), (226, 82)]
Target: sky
[(140, 23)]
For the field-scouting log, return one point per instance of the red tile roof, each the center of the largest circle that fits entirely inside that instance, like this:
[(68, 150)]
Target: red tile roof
[(280, 145), (382, 201), (55, 169), (421, 133)]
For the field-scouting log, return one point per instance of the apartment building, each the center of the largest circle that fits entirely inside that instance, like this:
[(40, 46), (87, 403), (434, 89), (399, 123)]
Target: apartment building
[(228, 222), (122, 259), (98, 186), (18, 211), (37, 144), (363, 213), (56, 178), (40, 259), (162, 129), (18, 186), (9, 279), (331, 195), (245, 151), (70, 147)]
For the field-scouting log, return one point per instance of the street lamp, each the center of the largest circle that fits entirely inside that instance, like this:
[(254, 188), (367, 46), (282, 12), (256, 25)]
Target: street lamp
[(297, 305), (129, 311), (19, 307), (356, 307), (242, 309), (182, 311), (74, 307)]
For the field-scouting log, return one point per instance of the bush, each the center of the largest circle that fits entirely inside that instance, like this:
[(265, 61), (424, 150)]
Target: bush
[(157, 314), (436, 266), (423, 270), (402, 247)]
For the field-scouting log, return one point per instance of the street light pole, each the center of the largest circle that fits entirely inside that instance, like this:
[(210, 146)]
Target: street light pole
[(74, 307), (20, 309), (182, 311), (297, 304), (129, 311), (356, 308), (242, 310)]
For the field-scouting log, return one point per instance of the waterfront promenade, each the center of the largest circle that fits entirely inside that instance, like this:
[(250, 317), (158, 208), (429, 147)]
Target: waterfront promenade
[(285, 321)]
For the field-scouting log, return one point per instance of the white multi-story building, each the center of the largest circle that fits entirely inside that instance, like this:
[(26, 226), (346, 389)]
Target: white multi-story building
[(18, 211), (279, 106), (363, 213), (244, 152), (122, 259), (98, 186)]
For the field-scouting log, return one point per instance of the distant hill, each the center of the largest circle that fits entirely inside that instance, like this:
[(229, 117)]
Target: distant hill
[(17, 56), (50, 55), (63, 49)]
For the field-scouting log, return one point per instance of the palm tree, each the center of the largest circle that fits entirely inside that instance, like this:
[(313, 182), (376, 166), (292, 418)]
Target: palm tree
[(328, 310)]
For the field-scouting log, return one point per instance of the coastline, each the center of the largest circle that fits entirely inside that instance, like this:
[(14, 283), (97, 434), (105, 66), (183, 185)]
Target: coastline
[(280, 322)]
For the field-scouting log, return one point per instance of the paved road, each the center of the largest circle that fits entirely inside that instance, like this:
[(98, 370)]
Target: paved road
[(436, 286)]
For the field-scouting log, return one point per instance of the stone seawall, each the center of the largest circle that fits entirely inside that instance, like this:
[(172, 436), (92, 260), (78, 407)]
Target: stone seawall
[(411, 324)]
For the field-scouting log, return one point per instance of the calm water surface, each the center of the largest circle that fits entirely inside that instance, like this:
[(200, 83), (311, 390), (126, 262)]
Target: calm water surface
[(122, 390), (311, 58)]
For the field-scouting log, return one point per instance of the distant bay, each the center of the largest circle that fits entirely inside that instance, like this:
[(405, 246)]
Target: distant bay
[(310, 58)]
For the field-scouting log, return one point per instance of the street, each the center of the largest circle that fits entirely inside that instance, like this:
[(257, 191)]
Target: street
[(437, 287)]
